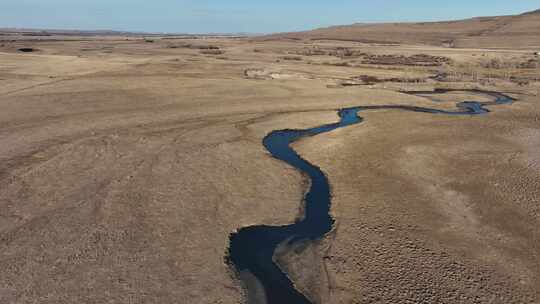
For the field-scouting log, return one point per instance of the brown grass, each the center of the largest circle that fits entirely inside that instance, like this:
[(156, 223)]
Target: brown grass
[(519, 31)]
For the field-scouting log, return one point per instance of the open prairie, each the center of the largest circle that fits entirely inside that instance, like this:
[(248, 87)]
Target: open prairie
[(127, 162)]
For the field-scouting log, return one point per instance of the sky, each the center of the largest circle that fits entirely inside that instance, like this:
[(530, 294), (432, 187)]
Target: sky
[(239, 16)]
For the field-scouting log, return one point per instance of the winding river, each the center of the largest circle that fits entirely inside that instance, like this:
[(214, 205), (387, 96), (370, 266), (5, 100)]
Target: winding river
[(252, 248)]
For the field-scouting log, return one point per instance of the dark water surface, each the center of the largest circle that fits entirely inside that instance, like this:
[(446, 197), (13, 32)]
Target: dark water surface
[(252, 248)]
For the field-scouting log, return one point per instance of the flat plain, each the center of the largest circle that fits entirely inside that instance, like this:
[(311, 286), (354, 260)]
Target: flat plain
[(126, 163)]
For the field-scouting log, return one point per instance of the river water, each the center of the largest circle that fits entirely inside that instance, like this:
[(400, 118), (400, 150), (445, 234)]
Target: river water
[(252, 248)]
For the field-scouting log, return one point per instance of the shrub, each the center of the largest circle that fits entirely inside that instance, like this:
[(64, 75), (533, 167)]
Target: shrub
[(27, 50), (292, 58), (212, 52)]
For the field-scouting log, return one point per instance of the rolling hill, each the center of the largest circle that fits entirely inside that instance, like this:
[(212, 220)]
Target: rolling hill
[(516, 31)]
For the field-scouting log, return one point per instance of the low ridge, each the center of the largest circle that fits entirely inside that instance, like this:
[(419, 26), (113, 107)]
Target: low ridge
[(516, 31)]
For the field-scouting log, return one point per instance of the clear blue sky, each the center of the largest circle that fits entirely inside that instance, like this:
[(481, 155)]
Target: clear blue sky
[(204, 16)]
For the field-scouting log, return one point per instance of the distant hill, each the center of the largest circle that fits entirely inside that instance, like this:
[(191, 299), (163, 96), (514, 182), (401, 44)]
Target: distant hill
[(52, 32), (31, 32), (517, 31)]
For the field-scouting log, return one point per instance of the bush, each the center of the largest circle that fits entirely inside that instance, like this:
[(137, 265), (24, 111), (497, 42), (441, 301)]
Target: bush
[(27, 50), (292, 58), (205, 47), (212, 52)]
